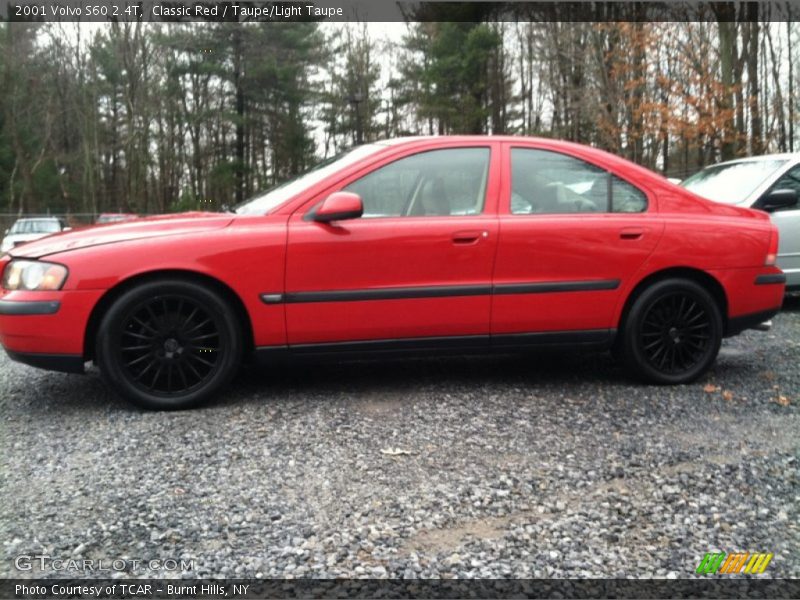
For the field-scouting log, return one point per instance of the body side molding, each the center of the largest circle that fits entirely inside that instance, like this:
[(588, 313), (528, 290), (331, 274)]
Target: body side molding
[(440, 291)]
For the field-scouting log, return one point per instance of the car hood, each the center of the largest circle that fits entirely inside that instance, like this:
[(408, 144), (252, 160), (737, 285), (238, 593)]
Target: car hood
[(151, 227)]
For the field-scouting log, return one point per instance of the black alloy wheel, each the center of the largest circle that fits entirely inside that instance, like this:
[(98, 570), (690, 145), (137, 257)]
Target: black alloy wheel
[(673, 332), (169, 345)]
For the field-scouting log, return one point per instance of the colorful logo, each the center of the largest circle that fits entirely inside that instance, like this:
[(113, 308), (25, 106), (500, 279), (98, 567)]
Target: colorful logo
[(720, 562)]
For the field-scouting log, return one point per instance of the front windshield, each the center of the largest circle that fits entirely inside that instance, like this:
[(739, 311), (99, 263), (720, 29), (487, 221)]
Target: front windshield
[(34, 226), (265, 202), (734, 182)]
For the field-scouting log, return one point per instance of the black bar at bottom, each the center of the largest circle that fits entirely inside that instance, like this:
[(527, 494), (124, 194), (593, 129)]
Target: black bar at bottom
[(710, 586), (66, 363)]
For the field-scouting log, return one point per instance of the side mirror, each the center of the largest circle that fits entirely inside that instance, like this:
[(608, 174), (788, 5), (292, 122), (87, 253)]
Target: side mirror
[(339, 206), (778, 199)]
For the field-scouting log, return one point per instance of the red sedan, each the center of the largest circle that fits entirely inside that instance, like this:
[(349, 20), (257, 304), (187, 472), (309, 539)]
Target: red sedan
[(445, 244)]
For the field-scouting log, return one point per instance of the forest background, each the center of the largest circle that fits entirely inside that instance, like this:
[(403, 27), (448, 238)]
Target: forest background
[(157, 117)]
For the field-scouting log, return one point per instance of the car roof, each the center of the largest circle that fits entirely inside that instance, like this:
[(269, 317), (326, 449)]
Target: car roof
[(470, 139), (760, 158), (22, 219)]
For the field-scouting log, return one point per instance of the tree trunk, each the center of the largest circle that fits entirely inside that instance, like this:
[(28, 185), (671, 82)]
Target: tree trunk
[(726, 13), (238, 76), (756, 134)]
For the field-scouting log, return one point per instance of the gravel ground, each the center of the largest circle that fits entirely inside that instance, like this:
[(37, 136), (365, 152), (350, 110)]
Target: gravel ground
[(534, 466)]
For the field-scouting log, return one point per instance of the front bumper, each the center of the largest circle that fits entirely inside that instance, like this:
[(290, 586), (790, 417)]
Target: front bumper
[(46, 329)]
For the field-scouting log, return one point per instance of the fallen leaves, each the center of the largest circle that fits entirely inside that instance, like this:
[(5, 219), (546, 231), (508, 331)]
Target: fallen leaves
[(395, 452), (728, 395), (768, 375), (710, 388), (782, 400)]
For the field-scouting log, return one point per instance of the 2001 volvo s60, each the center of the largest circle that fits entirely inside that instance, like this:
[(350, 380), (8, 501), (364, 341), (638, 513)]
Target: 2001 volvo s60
[(421, 244)]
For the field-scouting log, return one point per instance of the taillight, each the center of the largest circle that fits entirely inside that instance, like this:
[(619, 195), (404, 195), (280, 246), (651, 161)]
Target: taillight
[(772, 252)]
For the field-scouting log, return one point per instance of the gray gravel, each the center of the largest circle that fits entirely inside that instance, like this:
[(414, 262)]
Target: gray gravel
[(534, 466)]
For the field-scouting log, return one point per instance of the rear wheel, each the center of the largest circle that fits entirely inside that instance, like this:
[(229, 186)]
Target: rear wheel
[(169, 344), (673, 332)]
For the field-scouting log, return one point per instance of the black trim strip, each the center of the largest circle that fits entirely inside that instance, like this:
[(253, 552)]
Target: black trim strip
[(272, 298), (441, 291), (388, 293), (8, 307), (393, 345), (542, 338), (66, 363), (469, 344), (556, 286), (770, 279)]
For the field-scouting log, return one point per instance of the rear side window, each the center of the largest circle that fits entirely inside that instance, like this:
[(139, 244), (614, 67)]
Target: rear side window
[(545, 182), (626, 198), (449, 182)]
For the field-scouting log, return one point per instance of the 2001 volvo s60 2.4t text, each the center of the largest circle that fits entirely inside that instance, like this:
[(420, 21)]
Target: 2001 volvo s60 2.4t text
[(448, 244)]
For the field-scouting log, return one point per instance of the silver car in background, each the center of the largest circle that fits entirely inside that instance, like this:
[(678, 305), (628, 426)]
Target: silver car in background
[(770, 183), (30, 229)]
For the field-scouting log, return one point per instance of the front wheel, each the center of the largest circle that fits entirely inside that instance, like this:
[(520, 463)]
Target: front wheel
[(673, 332), (168, 344)]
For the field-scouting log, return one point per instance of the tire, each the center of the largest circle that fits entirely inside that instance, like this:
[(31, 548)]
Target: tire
[(169, 344), (672, 333)]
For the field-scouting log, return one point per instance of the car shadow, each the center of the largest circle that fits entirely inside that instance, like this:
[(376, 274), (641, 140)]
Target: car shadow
[(791, 303), (89, 394), (545, 369)]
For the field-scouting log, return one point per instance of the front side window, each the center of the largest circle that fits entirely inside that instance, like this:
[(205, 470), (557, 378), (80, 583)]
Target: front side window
[(446, 182), (545, 182)]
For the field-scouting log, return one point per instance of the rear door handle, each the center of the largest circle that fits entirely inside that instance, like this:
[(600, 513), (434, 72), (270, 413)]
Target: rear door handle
[(631, 233), (469, 237)]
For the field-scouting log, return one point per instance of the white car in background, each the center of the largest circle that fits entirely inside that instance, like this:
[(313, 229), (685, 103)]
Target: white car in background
[(29, 229), (770, 183)]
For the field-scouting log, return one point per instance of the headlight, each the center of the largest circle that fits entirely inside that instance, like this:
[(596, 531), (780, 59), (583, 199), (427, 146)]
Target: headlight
[(33, 275)]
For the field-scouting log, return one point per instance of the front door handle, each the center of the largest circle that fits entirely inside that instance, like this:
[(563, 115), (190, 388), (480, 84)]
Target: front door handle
[(631, 233), (469, 237)]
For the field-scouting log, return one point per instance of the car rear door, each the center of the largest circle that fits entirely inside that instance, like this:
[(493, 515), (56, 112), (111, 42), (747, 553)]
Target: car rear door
[(572, 237), (416, 267)]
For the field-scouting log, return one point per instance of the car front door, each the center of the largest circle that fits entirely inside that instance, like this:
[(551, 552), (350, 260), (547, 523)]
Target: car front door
[(572, 237), (415, 268), (788, 223)]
